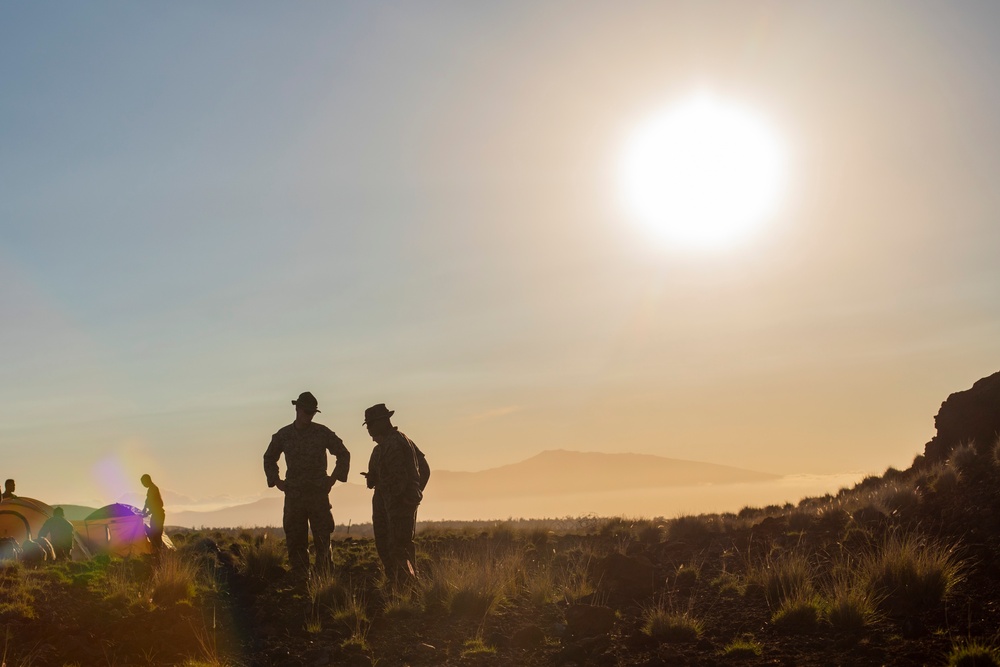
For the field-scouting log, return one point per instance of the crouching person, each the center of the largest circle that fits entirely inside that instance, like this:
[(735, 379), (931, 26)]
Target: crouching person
[(59, 533)]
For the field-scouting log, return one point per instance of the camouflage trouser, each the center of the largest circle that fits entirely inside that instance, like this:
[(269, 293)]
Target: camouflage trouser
[(380, 526), (305, 509), (393, 527)]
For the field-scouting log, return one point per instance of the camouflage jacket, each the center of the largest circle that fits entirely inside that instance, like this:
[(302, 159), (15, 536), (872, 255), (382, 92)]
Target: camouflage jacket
[(305, 451), (398, 470)]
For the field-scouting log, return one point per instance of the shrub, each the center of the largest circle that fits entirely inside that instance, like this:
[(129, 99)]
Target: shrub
[(743, 647), (174, 580), (651, 534), (910, 573), (690, 528), (784, 577), (851, 605), (973, 654), (946, 481), (964, 458), (686, 577), (476, 646), (669, 626), (325, 592), (798, 614), (261, 559)]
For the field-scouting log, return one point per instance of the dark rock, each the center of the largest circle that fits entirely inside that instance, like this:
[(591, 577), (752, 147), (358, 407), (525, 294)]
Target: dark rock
[(972, 415), (587, 621), (530, 636)]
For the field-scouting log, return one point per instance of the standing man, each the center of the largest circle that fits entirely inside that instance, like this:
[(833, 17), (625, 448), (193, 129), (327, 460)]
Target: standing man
[(398, 472), (8, 490), (154, 510), (306, 485)]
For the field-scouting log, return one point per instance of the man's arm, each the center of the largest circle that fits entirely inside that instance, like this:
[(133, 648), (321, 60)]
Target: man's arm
[(271, 456), (339, 451)]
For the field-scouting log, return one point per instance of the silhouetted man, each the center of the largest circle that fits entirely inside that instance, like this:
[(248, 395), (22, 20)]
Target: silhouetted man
[(398, 472), (8, 490), (59, 532), (154, 510), (306, 485)]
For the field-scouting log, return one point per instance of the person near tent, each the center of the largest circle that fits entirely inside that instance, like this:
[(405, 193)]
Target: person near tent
[(154, 510), (306, 485), (59, 532), (398, 473), (8, 490)]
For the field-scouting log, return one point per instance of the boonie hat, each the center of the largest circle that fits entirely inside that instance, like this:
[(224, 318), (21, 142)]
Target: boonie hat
[(377, 412), (307, 401)]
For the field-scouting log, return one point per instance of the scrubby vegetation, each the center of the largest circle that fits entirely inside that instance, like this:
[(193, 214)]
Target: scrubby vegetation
[(901, 569)]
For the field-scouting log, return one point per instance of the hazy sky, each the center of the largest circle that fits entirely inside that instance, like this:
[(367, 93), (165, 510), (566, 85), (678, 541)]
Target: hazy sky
[(206, 208)]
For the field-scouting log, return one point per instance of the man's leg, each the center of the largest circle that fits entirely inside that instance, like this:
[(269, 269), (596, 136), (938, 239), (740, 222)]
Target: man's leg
[(380, 527), (402, 521), (295, 522), (156, 521), (321, 521)]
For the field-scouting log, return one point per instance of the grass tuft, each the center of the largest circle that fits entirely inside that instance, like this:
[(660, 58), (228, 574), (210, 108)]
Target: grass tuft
[(973, 654), (743, 648), (909, 573), (173, 580), (798, 614), (669, 626)]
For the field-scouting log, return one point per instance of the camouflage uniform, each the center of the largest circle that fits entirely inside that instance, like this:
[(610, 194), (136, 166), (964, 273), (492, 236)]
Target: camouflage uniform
[(307, 487), (398, 472)]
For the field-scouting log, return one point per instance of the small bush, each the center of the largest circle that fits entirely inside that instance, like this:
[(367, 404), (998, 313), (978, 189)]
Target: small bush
[(851, 606), (174, 580), (973, 654), (946, 481), (964, 458), (910, 574), (325, 592), (798, 615), (784, 577), (690, 528), (476, 646), (262, 559), (671, 627), (744, 647)]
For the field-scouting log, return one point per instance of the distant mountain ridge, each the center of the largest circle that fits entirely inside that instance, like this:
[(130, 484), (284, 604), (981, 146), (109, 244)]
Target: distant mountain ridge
[(559, 471), (550, 473)]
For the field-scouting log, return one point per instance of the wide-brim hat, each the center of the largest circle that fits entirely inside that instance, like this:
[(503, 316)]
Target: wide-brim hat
[(307, 401), (377, 412)]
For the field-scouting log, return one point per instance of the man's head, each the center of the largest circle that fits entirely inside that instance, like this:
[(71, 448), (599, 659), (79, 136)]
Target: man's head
[(8, 485), (306, 406), (146, 481), (58, 511), (377, 420)]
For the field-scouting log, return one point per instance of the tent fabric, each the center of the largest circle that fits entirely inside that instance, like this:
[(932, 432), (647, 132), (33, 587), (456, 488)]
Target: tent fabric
[(21, 518), (117, 529), (114, 510)]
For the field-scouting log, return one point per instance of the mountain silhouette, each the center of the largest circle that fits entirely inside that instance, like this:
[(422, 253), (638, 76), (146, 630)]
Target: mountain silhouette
[(559, 471)]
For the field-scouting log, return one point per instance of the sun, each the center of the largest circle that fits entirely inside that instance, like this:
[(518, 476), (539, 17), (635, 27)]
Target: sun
[(703, 173)]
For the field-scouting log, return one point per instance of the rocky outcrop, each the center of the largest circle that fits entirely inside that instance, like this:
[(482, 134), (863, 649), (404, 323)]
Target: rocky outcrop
[(970, 416)]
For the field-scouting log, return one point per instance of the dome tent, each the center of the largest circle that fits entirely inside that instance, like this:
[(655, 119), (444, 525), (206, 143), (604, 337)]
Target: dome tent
[(117, 529), (21, 518)]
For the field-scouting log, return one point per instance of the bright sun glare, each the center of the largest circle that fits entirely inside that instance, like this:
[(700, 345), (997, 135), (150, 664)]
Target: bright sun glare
[(703, 173)]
